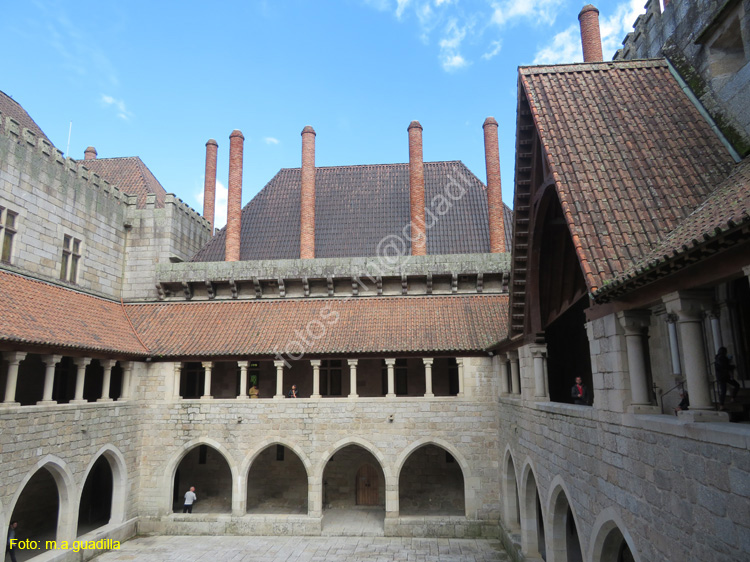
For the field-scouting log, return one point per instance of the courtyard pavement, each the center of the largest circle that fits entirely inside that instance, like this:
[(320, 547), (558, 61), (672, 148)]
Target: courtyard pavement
[(304, 549)]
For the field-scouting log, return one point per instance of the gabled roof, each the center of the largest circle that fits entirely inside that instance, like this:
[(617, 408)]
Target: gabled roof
[(630, 154), (11, 108), (130, 175), (358, 206), (37, 313), (362, 325), (727, 209)]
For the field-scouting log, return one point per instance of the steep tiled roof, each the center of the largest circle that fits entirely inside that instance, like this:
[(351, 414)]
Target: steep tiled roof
[(726, 209), (357, 207), (630, 154), (11, 108), (131, 175), (356, 325), (37, 313)]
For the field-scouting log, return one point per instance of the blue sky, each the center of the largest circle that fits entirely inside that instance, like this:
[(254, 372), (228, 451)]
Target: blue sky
[(158, 79)]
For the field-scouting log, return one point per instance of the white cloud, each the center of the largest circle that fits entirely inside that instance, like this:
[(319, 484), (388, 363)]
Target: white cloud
[(380, 5), (271, 140), (450, 57), (401, 6), (220, 207), (565, 47), (119, 105), (453, 62), (536, 11), (495, 48)]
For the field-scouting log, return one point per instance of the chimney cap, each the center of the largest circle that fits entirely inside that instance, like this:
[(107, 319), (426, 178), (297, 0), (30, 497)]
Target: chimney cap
[(212, 141), (489, 121), (237, 133), (588, 8), (90, 153), (308, 129), (414, 125)]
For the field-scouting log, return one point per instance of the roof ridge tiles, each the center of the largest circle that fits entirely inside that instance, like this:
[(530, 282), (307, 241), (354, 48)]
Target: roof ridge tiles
[(592, 66), (343, 166)]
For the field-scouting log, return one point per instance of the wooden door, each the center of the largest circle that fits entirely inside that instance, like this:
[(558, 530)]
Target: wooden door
[(367, 485)]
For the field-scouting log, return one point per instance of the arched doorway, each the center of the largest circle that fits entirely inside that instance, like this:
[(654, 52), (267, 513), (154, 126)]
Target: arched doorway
[(95, 507), (615, 548), (37, 510), (367, 485), (277, 482), (564, 541), (511, 507), (431, 483), (532, 521), (206, 469)]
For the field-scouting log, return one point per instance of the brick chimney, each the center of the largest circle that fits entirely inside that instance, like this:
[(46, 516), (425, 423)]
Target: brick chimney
[(209, 187), (494, 188), (234, 198), (591, 39), (416, 191), (307, 203), (89, 153)]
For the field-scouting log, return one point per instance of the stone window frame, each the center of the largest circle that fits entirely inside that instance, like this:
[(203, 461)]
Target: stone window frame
[(70, 263), (8, 231), (726, 48)]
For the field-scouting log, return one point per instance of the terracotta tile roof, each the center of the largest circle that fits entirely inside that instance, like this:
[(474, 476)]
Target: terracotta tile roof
[(357, 325), (726, 209), (356, 207), (37, 313), (11, 108), (629, 152), (129, 174)]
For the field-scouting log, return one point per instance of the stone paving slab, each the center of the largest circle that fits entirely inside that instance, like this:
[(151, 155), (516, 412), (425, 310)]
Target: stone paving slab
[(305, 549)]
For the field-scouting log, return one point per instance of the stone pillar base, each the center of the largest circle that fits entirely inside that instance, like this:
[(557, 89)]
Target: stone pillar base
[(46, 402), (644, 409), (703, 416), (10, 404), (206, 397), (316, 396), (104, 400), (390, 396), (429, 395), (78, 402), (278, 397), (243, 397), (353, 396)]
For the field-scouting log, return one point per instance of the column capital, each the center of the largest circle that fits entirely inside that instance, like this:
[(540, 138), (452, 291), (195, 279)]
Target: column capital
[(634, 321), (459, 361), (108, 363), (177, 365), (538, 349), (208, 364), (279, 363), (15, 357), (688, 306), (390, 361), (315, 362), (51, 359), (82, 361), (352, 362), (512, 355), (243, 364), (428, 360)]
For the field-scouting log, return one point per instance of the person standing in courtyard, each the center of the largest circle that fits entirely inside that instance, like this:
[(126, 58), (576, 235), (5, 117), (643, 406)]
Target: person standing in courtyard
[(11, 537), (579, 393), (190, 499), (724, 369)]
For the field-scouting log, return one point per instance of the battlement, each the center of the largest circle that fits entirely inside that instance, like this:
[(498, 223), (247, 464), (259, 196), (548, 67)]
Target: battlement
[(646, 39), (177, 205)]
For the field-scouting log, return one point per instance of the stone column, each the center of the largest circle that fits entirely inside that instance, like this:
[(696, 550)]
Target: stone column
[(428, 377), (503, 359), (14, 359), (515, 373), (689, 309), (390, 364), (316, 378), (634, 322), (279, 379), (460, 363), (107, 366), (50, 362), (81, 363), (243, 380), (746, 270), (177, 380), (207, 367), (713, 317), (127, 381), (674, 348), (353, 378), (537, 353)]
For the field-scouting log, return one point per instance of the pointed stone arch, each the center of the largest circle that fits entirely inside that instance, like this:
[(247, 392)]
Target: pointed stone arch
[(563, 538), (610, 537), (67, 494), (118, 466), (510, 495), (293, 476), (177, 457), (464, 500), (532, 519)]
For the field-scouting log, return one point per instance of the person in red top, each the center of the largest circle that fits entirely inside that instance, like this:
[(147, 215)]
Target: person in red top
[(579, 393)]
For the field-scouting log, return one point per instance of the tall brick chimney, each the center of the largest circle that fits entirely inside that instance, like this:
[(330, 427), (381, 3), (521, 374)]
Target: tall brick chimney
[(416, 191), (234, 198), (494, 187), (307, 203), (591, 38), (209, 187), (89, 153)]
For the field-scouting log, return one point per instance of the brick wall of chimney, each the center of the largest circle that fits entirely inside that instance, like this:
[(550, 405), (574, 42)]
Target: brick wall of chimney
[(307, 203), (591, 38), (89, 153), (416, 191), (234, 198), (494, 186), (209, 187)]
